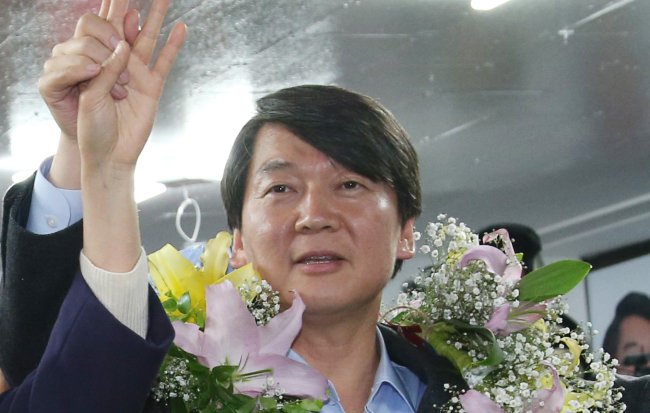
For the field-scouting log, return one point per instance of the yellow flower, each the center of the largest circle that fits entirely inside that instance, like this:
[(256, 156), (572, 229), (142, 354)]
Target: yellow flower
[(174, 275), (575, 350), (576, 401)]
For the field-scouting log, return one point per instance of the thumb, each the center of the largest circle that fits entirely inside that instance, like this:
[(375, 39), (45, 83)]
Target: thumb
[(112, 67)]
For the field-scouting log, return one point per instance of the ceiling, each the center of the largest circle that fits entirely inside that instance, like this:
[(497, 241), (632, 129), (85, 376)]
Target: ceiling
[(535, 112)]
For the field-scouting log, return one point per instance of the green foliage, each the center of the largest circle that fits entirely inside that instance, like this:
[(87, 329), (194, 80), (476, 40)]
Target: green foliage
[(552, 280), (214, 391), (185, 303), (444, 334)]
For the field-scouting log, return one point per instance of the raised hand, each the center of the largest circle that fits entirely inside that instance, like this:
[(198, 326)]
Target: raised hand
[(112, 133), (115, 130), (79, 59)]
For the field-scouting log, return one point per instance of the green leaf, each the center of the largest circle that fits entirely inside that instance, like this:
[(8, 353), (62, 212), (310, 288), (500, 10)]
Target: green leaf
[(169, 305), (292, 408), (185, 303), (200, 319), (444, 334), (481, 337), (552, 280), (268, 403), (311, 405), (224, 373), (177, 405), (248, 405)]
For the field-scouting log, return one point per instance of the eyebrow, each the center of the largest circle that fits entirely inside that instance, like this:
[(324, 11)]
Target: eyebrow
[(630, 344), (274, 165)]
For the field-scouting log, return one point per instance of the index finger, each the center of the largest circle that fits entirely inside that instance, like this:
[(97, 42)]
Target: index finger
[(98, 28)]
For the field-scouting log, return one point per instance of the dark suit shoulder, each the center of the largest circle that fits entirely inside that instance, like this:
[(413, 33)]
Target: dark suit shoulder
[(636, 393), (37, 271), (15, 204)]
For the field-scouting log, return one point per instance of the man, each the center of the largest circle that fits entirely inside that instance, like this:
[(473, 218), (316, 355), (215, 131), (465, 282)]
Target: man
[(320, 180), (628, 336), (318, 205)]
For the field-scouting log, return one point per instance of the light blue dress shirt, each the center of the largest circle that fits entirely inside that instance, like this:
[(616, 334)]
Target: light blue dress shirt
[(395, 388), (52, 209)]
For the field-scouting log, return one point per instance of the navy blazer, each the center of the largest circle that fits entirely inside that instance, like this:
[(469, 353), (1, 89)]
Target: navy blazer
[(92, 362)]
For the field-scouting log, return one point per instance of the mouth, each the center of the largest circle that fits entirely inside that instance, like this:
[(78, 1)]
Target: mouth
[(320, 257)]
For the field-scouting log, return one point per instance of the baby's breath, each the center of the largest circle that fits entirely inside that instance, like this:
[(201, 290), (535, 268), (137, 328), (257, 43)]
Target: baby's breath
[(262, 301), (445, 292), (175, 381)]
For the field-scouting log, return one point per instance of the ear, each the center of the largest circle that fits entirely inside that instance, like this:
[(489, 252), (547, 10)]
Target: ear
[(238, 258), (406, 244)]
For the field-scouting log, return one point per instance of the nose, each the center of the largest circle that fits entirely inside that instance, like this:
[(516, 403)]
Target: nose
[(316, 212)]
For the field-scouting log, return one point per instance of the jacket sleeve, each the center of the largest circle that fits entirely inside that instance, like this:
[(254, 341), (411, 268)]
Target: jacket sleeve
[(92, 361), (37, 271)]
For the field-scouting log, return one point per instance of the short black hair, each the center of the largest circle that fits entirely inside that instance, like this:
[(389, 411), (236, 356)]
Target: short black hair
[(354, 130), (634, 303)]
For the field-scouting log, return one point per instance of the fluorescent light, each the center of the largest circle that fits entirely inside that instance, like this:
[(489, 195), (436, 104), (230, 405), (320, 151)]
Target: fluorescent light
[(147, 190), (485, 5)]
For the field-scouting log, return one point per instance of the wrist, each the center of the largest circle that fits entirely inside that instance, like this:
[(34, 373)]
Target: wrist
[(65, 172), (111, 236)]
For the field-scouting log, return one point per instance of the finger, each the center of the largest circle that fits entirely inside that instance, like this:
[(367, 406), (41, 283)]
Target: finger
[(146, 41), (119, 92), (94, 26), (103, 83), (169, 53), (88, 47), (131, 26), (116, 13), (103, 9), (61, 73)]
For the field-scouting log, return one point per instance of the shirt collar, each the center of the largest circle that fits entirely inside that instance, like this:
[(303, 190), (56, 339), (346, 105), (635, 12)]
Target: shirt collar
[(393, 388), (390, 381)]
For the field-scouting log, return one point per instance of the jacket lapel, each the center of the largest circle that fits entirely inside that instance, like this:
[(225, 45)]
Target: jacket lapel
[(432, 369)]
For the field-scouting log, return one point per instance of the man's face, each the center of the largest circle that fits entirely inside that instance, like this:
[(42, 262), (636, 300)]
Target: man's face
[(634, 340), (311, 225)]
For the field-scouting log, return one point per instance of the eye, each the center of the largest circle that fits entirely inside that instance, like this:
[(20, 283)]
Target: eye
[(278, 189), (351, 185)]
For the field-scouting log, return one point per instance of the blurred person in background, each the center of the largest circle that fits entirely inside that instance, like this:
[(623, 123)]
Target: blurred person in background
[(628, 336)]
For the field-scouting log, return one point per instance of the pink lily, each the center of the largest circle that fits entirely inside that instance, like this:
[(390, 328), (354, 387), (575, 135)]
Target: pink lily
[(547, 400), (476, 402), (232, 337), (504, 320), (497, 262), (514, 268), (550, 400)]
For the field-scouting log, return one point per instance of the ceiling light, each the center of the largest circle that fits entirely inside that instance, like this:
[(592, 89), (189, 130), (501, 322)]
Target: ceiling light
[(485, 5)]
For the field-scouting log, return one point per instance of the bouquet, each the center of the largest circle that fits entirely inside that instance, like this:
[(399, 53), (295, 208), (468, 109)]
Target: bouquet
[(231, 345), (502, 331)]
